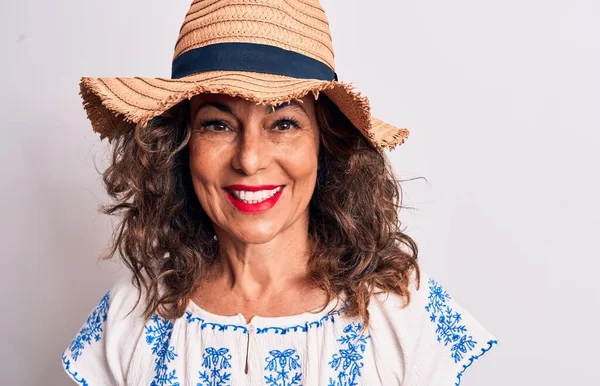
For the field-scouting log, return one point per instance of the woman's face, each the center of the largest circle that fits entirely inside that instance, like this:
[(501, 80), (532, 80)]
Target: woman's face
[(253, 166)]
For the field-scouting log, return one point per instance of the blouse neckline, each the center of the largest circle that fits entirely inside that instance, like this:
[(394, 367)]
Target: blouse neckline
[(266, 321)]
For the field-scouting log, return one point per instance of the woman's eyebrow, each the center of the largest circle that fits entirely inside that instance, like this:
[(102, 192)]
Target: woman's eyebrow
[(220, 106), (292, 103)]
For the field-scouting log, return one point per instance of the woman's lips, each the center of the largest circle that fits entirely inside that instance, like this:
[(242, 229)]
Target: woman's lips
[(252, 188), (259, 207)]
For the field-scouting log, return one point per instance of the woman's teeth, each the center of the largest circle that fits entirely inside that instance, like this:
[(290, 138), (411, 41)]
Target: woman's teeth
[(254, 197)]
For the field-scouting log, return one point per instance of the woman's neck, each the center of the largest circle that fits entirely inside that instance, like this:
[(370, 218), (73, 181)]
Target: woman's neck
[(267, 279), (256, 271)]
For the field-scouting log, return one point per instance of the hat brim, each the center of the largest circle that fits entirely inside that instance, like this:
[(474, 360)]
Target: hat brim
[(108, 101)]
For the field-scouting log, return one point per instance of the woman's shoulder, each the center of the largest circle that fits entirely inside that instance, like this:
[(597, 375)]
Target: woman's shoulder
[(432, 334), (104, 344)]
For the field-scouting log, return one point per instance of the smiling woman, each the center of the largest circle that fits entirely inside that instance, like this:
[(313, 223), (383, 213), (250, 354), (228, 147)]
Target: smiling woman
[(259, 220), (239, 138)]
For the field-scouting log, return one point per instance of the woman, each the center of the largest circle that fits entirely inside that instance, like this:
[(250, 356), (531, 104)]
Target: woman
[(259, 222)]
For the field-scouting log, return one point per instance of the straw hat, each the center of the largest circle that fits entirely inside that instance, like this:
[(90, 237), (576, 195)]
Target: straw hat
[(267, 51)]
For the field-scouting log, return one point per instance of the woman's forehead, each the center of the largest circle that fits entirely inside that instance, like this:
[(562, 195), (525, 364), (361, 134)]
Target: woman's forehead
[(197, 100)]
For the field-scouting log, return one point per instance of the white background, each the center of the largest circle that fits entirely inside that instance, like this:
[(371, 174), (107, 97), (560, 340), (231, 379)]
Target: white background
[(502, 100)]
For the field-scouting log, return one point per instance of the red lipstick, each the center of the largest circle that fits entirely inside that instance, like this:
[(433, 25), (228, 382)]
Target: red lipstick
[(259, 207), (252, 188)]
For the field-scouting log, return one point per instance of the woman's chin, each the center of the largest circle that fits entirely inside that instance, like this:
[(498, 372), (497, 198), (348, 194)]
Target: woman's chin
[(256, 239), (256, 234)]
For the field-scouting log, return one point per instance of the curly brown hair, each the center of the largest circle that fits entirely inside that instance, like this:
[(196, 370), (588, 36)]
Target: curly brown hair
[(167, 240)]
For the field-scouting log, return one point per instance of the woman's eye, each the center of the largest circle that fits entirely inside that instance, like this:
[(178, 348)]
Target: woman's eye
[(215, 125), (286, 124)]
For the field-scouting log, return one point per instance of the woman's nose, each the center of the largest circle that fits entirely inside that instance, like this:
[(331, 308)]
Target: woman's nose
[(253, 151)]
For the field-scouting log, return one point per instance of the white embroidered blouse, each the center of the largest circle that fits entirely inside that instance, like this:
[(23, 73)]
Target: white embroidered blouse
[(431, 342)]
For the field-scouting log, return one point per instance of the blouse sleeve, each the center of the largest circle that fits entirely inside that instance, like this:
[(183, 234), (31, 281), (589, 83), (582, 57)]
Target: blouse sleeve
[(450, 339), (433, 338), (99, 353)]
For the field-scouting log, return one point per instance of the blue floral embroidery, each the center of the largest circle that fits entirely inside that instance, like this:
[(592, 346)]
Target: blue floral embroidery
[(213, 326), (301, 327), (92, 328), (282, 366), (158, 336), (215, 361), (67, 366), (473, 358), (348, 361), (276, 330), (449, 328)]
